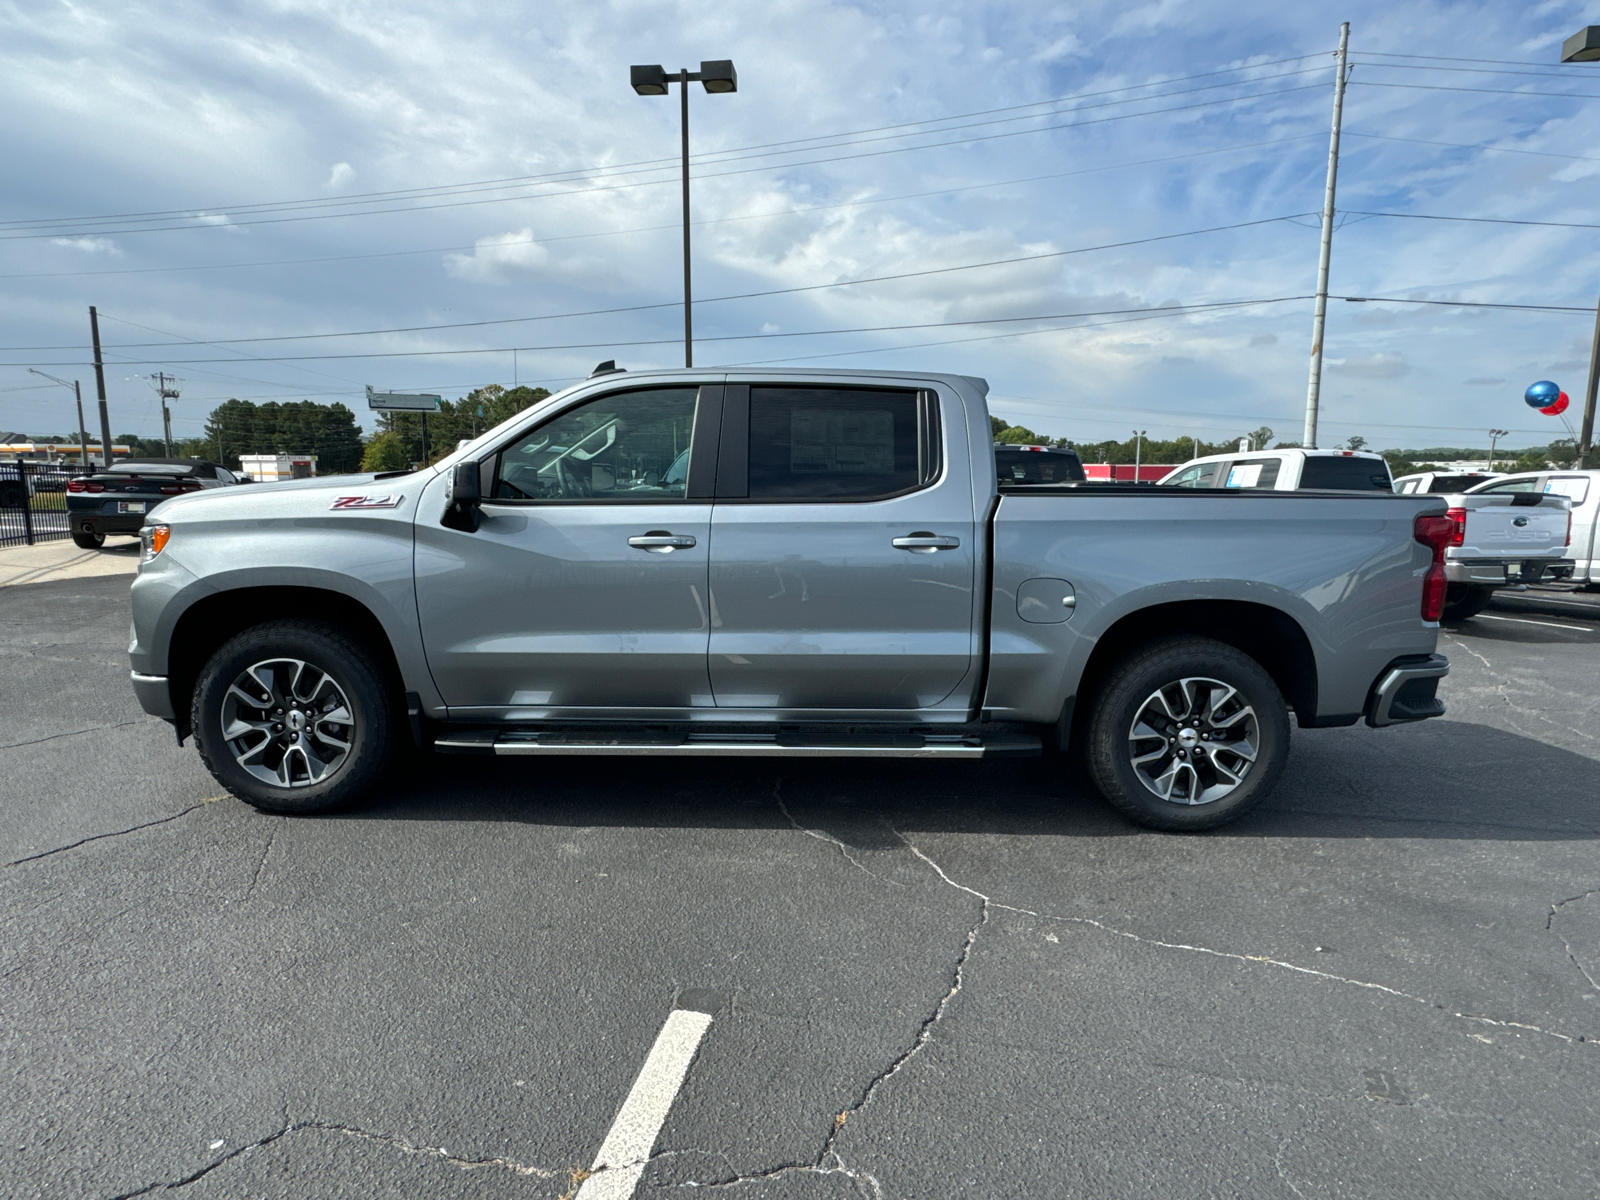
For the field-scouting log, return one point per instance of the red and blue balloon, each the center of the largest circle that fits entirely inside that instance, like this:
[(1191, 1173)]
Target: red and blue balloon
[(1547, 398)]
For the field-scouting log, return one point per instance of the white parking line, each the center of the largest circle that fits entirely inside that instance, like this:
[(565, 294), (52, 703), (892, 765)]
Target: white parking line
[(1548, 624), (627, 1147)]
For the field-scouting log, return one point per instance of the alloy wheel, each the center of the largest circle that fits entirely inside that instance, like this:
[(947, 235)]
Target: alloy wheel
[(1193, 741), (287, 722)]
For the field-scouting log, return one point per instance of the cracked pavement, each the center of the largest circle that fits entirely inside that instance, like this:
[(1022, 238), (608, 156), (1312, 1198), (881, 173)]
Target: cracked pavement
[(965, 979)]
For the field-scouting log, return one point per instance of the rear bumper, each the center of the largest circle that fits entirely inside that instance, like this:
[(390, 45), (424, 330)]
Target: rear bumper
[(96, 523), (1406, 690), (153, 695), (1499, 570)]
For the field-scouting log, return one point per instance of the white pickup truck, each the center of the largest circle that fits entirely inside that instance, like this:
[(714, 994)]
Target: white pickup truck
[(1286, 470), (1506, 531)]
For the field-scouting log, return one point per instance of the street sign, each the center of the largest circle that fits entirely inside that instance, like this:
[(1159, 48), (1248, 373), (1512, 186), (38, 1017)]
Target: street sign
[(402, 401)]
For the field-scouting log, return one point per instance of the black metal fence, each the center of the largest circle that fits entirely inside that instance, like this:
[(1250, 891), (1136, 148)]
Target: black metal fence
[(33, 501)]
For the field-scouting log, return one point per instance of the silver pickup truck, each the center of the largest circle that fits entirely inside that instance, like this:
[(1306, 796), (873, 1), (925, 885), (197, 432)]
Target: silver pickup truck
[(789, 563)]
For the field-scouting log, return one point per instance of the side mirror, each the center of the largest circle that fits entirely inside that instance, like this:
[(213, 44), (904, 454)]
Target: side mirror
[(463, 494)]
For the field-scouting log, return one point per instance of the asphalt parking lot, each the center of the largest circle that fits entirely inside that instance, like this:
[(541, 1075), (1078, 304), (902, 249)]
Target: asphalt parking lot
[(922, 980)]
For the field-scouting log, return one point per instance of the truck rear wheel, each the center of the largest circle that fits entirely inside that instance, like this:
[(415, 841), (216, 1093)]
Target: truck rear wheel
[(87, 539), (1187, 734), (294, 717), (1463, 600)]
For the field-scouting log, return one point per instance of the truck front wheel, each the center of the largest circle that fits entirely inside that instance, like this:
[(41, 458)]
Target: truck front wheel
[(293, 717), (1187, 734)]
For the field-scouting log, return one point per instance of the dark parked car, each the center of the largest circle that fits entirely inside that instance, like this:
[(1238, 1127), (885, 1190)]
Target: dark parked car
[(116, 500)]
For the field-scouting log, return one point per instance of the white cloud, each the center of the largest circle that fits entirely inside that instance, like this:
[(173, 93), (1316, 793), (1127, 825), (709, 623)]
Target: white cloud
[(90, 245), (340, 174), (496, 259), (1373, 366)]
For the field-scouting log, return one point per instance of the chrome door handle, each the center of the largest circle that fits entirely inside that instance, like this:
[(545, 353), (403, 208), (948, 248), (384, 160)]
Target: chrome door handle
[(659, 541), (922, 542)]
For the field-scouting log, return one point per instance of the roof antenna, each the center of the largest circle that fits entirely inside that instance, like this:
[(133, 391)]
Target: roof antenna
[(609, 367)]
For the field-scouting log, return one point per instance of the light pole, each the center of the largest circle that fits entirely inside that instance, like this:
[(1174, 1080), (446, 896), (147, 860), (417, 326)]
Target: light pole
[(1494, 436), (1138, 452), (1584, 46), (716, 77), (77, 392)]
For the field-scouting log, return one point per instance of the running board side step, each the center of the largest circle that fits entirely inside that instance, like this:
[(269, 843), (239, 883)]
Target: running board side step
[(519, 742)]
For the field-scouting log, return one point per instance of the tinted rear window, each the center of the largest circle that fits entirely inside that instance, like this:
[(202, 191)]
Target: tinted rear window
[(1444, 484), (811, 443), (1038, 466), (1346, 474)]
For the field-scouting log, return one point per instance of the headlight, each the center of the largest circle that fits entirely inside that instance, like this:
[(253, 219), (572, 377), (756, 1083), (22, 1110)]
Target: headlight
[(152, 541)]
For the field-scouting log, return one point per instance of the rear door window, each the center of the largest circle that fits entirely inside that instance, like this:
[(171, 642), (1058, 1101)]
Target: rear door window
[(1254, 473), (810, 443), (1573, 487), (1530, 484), (1346, 474)]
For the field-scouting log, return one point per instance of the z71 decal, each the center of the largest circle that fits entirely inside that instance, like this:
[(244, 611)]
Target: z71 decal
[(366, 501)]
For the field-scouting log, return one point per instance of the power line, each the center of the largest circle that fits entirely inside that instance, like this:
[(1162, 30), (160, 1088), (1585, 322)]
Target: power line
[(1569, 308), (1563, 74), (1144, 313), (1386, 137), (1271, 93), (676, 225), (1439, 87), (1475, 220), (587, 174), (1505, 62), (704, 158), (1049, 254)]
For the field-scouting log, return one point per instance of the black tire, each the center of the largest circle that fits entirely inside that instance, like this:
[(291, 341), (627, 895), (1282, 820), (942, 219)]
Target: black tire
[(88, 541), (1463, 600), (1162, 666), (359, 691)]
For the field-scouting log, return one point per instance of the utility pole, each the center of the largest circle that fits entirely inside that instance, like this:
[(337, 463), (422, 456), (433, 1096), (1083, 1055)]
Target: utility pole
[(100, 387), (1138, 452), (1319, 317), (166, 393), (1494, 436), (77, 393)]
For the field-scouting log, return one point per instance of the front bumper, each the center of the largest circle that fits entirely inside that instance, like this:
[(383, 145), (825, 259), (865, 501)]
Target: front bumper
[(1501, 571), (1406, 690), (153, 695)]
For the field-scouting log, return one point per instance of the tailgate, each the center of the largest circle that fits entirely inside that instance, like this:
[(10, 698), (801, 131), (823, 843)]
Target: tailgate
[(1514, 527)]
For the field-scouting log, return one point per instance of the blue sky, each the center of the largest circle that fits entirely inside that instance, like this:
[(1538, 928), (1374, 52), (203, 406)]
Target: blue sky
[(1169, 118)]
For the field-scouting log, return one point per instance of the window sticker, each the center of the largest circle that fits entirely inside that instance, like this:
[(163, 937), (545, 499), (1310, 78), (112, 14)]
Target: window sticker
[(841, 442), (1245, 475), (1574, 488)]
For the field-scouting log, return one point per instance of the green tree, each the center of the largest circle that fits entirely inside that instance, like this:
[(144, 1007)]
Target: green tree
[(997, 426), (385, 452), (1019, 435), (1355, 442), (475, 413), (295, 427)]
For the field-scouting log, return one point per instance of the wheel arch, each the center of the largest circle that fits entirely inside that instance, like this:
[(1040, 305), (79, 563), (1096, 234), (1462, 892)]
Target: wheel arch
[(1268, 635), (209, 622)]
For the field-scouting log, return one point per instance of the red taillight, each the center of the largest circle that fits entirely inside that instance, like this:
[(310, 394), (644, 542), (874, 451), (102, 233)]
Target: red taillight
[(1435, 533), (89, 486), (171, 489), (1458, 526), (74, 485)]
